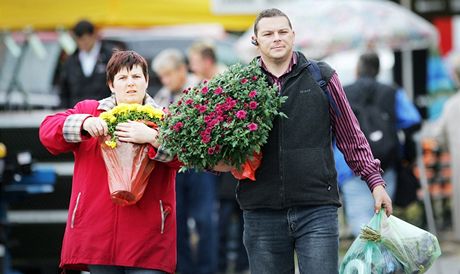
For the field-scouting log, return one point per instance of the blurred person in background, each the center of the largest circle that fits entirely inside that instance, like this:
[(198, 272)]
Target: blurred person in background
[(447, 133), (171, 67), (292, 208), (100, 235), (203, 60), (230, 228), (83, 73), (204, 64), (401, 114), (195, 191)]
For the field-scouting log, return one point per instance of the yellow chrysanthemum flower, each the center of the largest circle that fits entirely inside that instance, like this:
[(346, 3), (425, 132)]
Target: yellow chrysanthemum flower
[(124, 112), (157, 113), (111, 143), (112, 119), (105, 115)]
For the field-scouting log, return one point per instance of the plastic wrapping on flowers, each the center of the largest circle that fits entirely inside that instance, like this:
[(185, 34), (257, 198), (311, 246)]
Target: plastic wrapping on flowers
[(390, 245), (128, 169), (225, 119), (128, 165)]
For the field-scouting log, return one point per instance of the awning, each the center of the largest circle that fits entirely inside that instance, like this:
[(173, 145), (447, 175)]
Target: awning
[(50, 14)]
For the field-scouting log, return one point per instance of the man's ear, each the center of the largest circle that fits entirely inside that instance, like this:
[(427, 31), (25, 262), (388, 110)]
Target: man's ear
[(254, 41)]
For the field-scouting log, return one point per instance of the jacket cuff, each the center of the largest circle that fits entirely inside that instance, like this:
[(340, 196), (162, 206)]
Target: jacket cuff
[(73, 126), (161, 154), (374, 180)]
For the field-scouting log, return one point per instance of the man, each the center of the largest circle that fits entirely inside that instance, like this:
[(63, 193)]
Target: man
[(203, 61), (195, 191), (292, 206), (397, 113), (171, 68), (83, 73)]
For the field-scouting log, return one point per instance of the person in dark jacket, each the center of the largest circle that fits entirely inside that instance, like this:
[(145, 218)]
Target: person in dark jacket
[(400, 115), (292, 207), (83, 73)]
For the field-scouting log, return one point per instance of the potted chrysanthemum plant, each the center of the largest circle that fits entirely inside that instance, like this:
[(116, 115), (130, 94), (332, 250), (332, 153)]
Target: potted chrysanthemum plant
[(226, 119), (128, 165)]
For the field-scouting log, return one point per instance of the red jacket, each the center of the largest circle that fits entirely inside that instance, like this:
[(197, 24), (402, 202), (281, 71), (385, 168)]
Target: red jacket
[(99, 231)]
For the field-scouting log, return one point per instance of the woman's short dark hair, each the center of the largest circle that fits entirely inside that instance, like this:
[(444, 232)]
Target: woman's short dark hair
[(125, 59), (269, 13)]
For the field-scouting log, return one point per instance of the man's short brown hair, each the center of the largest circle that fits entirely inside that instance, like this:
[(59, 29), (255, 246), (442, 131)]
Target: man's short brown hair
[(368, 64), (267, 14)]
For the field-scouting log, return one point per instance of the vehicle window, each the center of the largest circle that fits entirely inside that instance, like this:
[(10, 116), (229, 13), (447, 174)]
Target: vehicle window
[(29, 74)]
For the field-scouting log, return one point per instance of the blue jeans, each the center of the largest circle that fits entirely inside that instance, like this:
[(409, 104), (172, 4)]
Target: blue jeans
[(358, 201), (272, 236), (196, 199), (112, 269)]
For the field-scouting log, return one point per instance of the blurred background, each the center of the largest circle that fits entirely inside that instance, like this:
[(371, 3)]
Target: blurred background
[(418, 42)]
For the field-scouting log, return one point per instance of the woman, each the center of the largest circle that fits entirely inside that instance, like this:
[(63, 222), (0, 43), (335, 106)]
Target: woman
[(100, 235)]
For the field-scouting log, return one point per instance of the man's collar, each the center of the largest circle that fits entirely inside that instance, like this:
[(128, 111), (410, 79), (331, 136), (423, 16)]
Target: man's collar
[(292, 63)]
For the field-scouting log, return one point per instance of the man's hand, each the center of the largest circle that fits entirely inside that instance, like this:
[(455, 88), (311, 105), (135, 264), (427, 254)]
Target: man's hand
[(95, 126), (382, 199), (136, 132)]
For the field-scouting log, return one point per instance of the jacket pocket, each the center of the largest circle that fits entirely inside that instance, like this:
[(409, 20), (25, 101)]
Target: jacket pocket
[(164, 210), (74, 212)]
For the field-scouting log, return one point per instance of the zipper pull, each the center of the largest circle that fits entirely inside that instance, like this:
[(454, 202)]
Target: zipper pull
[(164, 213)]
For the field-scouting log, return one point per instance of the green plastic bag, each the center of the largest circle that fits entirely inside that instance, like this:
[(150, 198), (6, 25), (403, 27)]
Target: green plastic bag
[(390, 246)]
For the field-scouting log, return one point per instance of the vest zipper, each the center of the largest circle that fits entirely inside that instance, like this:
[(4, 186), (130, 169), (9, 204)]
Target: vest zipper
[(280, 136)]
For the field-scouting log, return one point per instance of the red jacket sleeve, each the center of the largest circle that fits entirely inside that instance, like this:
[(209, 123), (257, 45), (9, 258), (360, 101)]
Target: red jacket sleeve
[(51, 131), (174, 163)]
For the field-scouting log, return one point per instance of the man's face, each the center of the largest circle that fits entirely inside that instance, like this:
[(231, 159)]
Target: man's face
[(173, 78), (86, 42), (275, 38), (197, 63)]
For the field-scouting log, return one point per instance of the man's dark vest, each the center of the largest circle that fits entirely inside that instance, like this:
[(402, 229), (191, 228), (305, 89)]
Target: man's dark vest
[(297, 166)]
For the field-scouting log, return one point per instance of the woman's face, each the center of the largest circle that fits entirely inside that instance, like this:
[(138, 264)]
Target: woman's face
[(129, 87)]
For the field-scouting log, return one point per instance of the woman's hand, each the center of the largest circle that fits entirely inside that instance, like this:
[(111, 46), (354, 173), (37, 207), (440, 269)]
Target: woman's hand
[(223, 167), (95, 126), (136, 132)]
